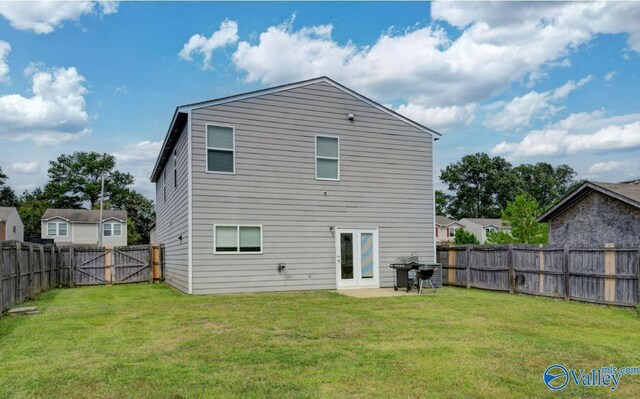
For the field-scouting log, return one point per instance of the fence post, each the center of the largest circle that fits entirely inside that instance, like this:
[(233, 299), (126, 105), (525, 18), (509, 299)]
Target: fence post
[(151, 263), (512, 276), (53, 274), (638, 266), (43, 271), (30, 262), (468, 252), (1, 279), (566, 272), (72, 266), (18, 290)]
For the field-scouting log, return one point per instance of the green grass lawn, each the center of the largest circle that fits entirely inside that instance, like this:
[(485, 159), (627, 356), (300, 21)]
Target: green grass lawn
[(149, 341)]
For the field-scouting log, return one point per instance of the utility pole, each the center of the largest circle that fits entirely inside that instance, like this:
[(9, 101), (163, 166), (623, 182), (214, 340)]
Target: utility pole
[(100, 232)]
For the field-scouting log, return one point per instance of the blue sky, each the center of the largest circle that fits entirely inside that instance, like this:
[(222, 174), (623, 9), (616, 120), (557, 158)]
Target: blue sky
[(527, 81)]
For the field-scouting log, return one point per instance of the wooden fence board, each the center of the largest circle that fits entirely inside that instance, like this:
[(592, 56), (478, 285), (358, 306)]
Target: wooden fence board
[(606, 275), (28, 269)]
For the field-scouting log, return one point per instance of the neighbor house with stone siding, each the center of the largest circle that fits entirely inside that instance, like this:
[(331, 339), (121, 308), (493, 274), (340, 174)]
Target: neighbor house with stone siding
[(595, 214)]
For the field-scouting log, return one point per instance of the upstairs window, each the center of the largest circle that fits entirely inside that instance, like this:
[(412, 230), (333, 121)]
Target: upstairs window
[(112, 229), (327, 158), (220, 149), (175, 168), (57, 229)]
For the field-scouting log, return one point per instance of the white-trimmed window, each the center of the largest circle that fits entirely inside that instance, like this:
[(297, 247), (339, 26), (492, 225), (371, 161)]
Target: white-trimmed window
[(112, 229), (175, 168), (57, 229), (452, 231), (237, 239), (221, 149), (164, 185), (327, 158)]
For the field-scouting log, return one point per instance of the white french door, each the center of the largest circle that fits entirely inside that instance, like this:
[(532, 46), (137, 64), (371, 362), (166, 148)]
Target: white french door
[(357, 258)]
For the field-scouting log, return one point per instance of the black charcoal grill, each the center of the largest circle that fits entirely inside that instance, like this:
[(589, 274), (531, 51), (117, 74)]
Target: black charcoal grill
[(411, 273)]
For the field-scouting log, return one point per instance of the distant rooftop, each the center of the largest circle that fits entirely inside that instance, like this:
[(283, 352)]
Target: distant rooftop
[(84, 215)]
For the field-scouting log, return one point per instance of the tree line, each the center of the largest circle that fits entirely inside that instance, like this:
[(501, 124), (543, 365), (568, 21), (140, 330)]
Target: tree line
[(74, 182), (484, 187)]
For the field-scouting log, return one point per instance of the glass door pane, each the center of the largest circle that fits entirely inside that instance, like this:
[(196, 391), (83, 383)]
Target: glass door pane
[(346, 256), (366, 255)]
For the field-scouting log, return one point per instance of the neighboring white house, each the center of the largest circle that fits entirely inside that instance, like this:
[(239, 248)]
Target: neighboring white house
[(11, 227), (480, 227), (446, 229), (308, 185), (81, 226)]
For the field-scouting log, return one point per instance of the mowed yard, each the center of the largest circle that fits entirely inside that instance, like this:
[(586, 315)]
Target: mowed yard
[(149, 341)]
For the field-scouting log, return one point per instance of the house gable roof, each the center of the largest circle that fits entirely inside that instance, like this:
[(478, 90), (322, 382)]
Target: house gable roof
[(180, 115), (84, 215), (628, 192), (5, 211), (486, 222)]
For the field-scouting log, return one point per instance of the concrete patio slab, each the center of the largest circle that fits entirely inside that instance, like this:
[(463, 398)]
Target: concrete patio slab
[(378, 292)]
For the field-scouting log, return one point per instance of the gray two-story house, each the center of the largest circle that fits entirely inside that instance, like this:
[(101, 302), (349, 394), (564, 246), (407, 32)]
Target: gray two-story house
[(308, 185), (82, 226)]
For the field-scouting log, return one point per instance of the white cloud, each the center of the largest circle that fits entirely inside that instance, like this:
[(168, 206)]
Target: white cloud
[(54, 114), (139, 159), (500, 43), (44, 17), (521, 110), (27, 168), (25, 187), (577, 134), (198, 44), (5, 48), (609, 166), (441, 119), (610, 75)]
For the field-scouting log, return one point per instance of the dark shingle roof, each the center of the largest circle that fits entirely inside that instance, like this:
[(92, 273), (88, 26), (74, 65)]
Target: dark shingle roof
[(84, 215), (628, 192), (443, 220)]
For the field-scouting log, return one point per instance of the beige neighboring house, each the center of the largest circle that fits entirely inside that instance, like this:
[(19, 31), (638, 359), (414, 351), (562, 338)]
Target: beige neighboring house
[(11, 227), (446, 229), (81, 226), (480, 227)]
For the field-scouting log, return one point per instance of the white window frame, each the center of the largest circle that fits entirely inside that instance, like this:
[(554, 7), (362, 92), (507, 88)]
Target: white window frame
[(331, 158), (238, 252), (175, 168), (452, 231), (57, 234), (164, 185), (207, 148), (112, 229)]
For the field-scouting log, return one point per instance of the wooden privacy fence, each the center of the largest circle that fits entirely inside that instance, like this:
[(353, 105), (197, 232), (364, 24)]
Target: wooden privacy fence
[(27, 269), (604, 275)]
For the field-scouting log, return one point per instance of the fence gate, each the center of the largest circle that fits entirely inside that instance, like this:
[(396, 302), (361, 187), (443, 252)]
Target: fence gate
[(90, 265), (117, 265), (131, 264)]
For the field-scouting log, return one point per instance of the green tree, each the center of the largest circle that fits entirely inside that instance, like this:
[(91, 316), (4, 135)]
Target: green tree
[(441, 203), (482, 186), (499, 237), (76, 178), (31, 207), (7, 196), (463, 237), (545, 183), (521, 215), (141, 213)]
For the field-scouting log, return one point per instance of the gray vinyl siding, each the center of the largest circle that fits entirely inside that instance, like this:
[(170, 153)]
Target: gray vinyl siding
[(386, 182), (172, 218)]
